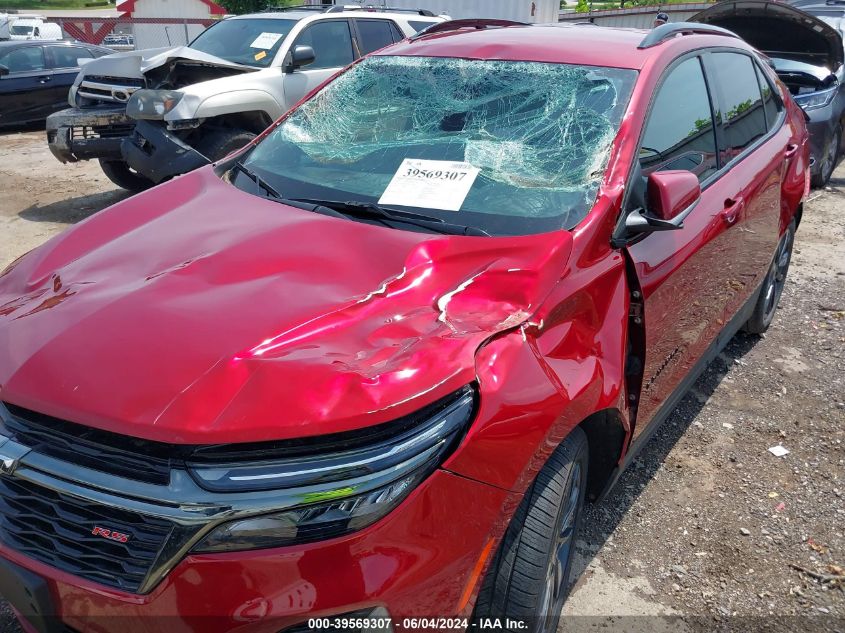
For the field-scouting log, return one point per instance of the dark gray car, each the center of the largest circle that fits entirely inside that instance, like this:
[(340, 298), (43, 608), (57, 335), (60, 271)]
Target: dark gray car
[(808, 55)]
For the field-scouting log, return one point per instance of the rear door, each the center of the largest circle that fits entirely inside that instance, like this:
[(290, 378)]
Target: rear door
[(754, 148), (25, 91), (334, 49), (684, 274), (64, 62)]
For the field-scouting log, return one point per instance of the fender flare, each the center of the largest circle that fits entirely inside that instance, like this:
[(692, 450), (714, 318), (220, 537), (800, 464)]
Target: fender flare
[(237, 102)]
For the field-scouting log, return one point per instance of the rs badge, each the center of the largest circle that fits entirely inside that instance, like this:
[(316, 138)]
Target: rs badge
[(111, 535)]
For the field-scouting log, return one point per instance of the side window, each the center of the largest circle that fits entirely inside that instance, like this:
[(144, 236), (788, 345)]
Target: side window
[(679, 133), (770, 103), (24, 60), (398, 35), (743, 116), (67, 56), (375, 34), (419, 25), (332, 44)]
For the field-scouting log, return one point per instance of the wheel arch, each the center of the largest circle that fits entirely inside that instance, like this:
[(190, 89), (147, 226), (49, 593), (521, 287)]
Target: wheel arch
[(606, 436), (254, 121)]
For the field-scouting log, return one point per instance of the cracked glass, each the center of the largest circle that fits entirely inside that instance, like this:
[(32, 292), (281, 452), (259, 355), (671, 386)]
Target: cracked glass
[(538, 133)]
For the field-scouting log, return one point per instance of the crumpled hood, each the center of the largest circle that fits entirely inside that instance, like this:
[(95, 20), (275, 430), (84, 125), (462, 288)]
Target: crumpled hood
[(778, 30), (199, 314), (137, 63)]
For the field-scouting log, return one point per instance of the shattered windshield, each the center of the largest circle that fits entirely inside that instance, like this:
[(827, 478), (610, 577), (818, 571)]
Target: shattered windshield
[(511, 147), (251, 41)]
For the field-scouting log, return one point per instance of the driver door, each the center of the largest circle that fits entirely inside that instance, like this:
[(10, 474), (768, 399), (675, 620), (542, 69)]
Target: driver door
[(684, 274), (334, 50)]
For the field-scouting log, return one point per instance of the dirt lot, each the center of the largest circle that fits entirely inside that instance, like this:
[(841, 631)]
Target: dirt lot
[(707, 530)]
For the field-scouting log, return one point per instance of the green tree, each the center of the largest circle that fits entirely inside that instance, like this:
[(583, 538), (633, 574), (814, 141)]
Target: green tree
[(239, 7), (582, 7)]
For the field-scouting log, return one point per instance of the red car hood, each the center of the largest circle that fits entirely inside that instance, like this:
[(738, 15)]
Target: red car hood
[(199, 314)]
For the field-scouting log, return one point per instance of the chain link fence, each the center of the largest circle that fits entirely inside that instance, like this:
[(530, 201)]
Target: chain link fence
[(124, 33)]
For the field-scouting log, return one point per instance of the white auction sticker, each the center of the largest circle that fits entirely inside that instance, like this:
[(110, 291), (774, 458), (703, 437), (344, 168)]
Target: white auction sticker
[(430, 184), (266, 40)]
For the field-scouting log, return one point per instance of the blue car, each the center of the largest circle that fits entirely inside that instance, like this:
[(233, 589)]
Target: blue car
[(35, 77)]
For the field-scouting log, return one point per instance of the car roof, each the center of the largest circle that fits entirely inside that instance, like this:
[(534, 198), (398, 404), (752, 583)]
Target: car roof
[(584, 44)]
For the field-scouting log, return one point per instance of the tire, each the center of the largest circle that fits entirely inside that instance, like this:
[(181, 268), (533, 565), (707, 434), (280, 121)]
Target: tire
[(120, 174), (220, 143), (773, 284), (828, 161), (530, 576)]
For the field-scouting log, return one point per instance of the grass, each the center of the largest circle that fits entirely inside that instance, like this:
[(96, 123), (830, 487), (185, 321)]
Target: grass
[(35, 5)]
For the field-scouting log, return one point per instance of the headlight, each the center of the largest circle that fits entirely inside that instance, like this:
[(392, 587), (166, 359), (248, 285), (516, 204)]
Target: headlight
[(152, 104), (339, 491), (813, 100)]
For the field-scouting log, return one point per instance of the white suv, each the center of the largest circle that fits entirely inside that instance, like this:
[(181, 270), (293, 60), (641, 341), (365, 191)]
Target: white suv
[(150, 115)]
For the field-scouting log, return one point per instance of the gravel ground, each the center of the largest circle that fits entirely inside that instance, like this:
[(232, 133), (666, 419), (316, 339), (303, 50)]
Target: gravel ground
[(707, 530)]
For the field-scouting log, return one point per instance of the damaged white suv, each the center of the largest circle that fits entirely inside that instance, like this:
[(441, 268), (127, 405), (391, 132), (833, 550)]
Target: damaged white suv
[(153, 114)]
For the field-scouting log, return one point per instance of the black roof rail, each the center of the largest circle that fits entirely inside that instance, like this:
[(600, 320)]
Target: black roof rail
[(471, 23), (368, 8), (327, 7), (660, 34), (299, 7)]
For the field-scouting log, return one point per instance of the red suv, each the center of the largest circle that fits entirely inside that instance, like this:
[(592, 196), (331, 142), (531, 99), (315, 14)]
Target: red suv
[(365, 372)]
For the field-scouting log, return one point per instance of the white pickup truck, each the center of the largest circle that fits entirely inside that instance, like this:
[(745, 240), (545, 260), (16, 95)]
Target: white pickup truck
[(153, 114)]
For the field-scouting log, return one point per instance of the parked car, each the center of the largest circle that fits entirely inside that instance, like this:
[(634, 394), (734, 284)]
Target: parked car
[(373, 364), (36, 75), (189, 105), (808, 55), (34, 29), (120, 42)]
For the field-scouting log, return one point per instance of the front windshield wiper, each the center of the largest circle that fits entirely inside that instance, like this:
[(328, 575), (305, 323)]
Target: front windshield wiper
[(374, 211), (261, 183)]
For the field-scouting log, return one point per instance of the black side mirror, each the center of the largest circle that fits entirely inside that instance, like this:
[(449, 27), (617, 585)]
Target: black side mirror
[(301, 56), (671, 196), (4, 70)]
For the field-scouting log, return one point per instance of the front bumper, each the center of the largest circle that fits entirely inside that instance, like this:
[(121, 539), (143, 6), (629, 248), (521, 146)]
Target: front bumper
[(157, 154), (421, 560), (82, 134)]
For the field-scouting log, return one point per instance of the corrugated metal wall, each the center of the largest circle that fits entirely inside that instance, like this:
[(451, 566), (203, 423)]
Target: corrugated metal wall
[(519, 10), (636, 17)]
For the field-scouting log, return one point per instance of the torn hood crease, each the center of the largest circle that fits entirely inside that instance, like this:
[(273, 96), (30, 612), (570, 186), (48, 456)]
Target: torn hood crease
[(138, 63), (200, 314)]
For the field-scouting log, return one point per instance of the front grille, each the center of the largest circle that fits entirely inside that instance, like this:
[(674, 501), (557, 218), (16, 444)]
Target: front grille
[(121, 455), (117, 81), (57, 529), (109, 89), (79, 133)]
